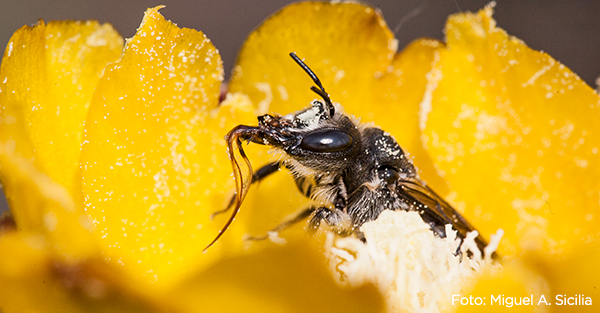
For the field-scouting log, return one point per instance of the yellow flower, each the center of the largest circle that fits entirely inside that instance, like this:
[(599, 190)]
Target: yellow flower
[(113, 159)]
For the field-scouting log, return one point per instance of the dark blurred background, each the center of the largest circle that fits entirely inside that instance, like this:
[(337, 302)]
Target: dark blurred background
[(569, 30)]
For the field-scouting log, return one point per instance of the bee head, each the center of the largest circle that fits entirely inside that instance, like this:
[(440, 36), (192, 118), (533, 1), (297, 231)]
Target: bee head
[(319, 137)]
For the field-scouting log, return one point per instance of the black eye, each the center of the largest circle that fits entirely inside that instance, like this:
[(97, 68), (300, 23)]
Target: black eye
[(326, 141), (388, 174)]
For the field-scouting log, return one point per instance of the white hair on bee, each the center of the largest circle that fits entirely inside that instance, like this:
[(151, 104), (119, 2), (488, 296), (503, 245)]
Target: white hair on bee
[(310, 116), (326, 194), (414, 270)]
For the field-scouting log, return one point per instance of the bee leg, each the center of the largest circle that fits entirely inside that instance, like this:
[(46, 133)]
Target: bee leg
[(299, 216), (360, 235), (304, 185), (258, 176), (337, 220)]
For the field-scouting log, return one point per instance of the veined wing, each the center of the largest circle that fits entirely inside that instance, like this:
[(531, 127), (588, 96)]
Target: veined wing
[(435, 210)]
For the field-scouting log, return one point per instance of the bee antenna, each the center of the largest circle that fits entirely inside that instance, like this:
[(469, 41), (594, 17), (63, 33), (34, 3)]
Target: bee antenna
[(320, 91)]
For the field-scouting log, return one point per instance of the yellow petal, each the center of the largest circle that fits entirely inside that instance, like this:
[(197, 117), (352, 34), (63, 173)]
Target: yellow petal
[(45, 207), (567, 285), (32, 280), (346, 44), (516, 134), (154, 161), (514, 288), (292, 278), (48, 75), (396, 99), (576, 275)]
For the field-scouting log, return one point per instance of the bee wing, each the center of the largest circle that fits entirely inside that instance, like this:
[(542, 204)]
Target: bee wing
[(437, 210)]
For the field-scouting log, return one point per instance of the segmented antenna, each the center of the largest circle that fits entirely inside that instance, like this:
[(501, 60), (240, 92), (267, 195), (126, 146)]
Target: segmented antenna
[(321, 92)]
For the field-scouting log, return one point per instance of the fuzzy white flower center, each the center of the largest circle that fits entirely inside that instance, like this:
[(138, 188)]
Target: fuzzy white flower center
[(414, 270)]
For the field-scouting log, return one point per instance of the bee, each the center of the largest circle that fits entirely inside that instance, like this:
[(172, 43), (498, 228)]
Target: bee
[(356, 170)]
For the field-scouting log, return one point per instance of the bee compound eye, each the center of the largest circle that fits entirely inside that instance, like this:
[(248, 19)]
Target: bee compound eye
[(388, 174), (326, 141)]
